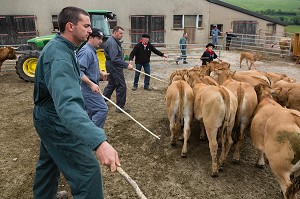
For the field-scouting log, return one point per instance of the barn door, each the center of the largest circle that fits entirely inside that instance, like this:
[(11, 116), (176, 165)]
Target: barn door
[(150, 24), (190, 27), (17, 29)]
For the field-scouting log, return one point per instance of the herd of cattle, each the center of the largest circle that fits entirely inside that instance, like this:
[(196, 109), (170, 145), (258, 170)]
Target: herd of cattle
[(227, 103)]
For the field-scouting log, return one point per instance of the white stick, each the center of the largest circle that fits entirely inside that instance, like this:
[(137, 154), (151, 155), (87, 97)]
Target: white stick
[(129, 116), (131, 182), (150, 75)]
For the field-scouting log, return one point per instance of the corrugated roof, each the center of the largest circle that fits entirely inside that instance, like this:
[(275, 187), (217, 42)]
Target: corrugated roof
[(248, 12)]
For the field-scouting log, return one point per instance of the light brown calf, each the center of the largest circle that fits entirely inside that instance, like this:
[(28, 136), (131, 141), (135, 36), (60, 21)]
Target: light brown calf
[(287, 94), (216, 106), (249, 57), (247, 102), (276, 133), (179, 101)]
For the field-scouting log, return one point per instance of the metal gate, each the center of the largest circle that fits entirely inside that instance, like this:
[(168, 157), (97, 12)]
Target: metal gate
[(17, 29), (150, 24)]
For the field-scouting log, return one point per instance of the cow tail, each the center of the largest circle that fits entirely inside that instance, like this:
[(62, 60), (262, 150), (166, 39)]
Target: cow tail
[(237, 125), (180, 106), (226, 98)]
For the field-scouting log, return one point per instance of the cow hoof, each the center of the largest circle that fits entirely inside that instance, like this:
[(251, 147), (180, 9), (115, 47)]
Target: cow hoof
[(235, 161), (183, 155), (173, 143), (221, 168), (261, 166), (214, 174), (202, 137)]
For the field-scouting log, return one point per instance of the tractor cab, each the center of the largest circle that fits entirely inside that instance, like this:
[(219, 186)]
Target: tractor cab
[(26, 63)]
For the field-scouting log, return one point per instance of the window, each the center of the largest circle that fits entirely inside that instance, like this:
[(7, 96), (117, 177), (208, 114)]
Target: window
[(184, 21), (219, 26), (55, 23), (177, 21), (112, 23), (151, 24), (200, 21)]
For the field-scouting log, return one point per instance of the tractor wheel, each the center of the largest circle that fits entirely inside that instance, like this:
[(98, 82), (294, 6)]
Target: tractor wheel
[(26, 64)]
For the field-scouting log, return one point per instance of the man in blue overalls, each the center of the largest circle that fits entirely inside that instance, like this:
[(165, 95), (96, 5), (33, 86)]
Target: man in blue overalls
[(114, 66), (90, 75), (70, 141)]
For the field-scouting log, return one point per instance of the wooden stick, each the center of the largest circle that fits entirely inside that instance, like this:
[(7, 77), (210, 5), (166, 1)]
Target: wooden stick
[(150, 75), (129, 116), (131, 182)]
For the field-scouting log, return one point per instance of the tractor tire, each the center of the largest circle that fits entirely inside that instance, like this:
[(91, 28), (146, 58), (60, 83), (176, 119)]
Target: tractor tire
[(26, 65)]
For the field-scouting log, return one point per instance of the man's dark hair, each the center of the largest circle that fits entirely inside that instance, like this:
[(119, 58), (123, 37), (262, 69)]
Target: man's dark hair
[(117, 28), (69, 14)]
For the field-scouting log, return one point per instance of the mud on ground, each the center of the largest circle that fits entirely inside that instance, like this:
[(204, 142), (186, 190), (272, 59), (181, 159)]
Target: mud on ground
[(154, 164)]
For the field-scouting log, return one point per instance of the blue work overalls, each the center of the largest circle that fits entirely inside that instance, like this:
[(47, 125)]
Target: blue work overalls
[(94, 103)]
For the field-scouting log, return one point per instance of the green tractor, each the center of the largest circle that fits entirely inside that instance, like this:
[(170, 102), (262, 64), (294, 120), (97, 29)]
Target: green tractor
[(26, 63)]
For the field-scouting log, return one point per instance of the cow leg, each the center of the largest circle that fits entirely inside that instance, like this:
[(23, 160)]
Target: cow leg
[(237, 152), (241, 59), (247, 64), (213, 147), (261, 159), (172, 129), (186, 135), (202, 131), (226, 145)]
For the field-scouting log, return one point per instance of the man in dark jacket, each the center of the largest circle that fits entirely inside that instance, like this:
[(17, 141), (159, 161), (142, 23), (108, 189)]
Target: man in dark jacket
[(142, 52), (229, 36), (114, 66)]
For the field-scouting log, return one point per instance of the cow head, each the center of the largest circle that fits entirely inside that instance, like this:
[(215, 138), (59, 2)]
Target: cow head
[(11, 53)]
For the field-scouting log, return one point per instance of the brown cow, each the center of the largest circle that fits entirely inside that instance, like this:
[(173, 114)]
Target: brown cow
[(276, 133), (7, 53), (268, 77), (247, 102), (249, 57), (216, 106), (252, 80), (287, 94), (179, 101), (176, 75)]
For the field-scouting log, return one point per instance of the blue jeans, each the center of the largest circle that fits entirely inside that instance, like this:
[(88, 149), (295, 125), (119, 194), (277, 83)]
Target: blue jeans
[(137, 75), (182, 56), (215, 40)]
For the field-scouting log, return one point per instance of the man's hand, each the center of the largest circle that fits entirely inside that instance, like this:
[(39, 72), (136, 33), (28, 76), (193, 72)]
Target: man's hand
[(166, 56), (94, 87), (108, 156), (130, 66), (104, 75)]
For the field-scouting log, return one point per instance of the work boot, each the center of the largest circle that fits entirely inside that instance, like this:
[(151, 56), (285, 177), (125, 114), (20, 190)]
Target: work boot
[(147, 88), (176, 62), (134, 88), (62, 195), (185, 62), (124, 109)]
